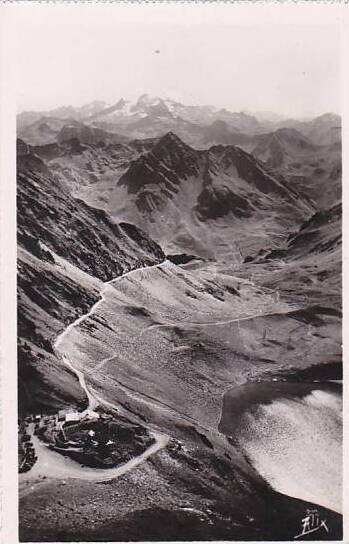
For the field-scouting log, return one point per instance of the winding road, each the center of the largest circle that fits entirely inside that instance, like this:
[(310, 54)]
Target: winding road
[(51, 464)]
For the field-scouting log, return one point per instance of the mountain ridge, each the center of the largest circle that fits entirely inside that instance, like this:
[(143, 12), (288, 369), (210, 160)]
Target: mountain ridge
[(149, 116), (65, 250)]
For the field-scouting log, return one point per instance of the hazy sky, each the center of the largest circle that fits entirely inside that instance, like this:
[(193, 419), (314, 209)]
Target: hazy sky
[(73, 57)]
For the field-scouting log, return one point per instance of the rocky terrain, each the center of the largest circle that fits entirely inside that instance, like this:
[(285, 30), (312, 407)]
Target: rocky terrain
[(307, 153), (236, 328), (199, 202), (66, 250)]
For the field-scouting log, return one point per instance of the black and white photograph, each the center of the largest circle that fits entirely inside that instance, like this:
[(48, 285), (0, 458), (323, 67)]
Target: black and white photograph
[(179, 272)]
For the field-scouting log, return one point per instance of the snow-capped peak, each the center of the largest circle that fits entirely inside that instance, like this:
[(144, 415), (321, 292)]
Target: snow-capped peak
[(147, 100)]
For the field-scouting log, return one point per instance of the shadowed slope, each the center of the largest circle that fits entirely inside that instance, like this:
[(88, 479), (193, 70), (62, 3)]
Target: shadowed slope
[(66, 249)]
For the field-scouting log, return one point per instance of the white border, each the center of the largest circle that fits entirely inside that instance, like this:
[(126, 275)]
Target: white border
[(12, 15), (345, 164), (8, 309)]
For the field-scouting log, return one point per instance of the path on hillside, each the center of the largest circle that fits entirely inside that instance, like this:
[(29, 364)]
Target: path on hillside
[(55, 465), (225, 322), (92, 401), (51, 464)]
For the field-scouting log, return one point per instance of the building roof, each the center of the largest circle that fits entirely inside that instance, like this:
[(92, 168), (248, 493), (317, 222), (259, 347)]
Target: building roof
[(72, 416)]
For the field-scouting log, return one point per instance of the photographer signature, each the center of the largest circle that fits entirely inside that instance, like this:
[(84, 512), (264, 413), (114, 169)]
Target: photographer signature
[(311, 523)]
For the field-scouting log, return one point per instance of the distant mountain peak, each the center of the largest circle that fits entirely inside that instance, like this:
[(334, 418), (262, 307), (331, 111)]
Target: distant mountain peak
[(165, 165), (171, 137), (329, 117), (148, 100), (170, 144), (120, 104)]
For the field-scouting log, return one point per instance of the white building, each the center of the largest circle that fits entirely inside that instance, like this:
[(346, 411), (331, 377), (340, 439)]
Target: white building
[(72, 417)]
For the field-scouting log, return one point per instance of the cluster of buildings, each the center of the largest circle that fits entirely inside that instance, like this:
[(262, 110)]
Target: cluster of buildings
[(53, 429), (66, 417)]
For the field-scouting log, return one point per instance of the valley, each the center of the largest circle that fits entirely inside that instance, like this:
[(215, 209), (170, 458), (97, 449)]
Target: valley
[(192, 291)]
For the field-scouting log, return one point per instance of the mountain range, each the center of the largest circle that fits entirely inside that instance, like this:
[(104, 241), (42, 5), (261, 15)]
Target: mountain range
[(153, 116), (191, 257), (306, 153)]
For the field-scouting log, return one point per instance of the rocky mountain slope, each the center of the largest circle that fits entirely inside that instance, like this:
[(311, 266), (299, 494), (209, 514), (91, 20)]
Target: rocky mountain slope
[(320, 234), (281, 147), (202, 202), (88, 135), (66, 250), (307, 153), (314, 169), (311, 168), (307, 268), (322, 130)]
